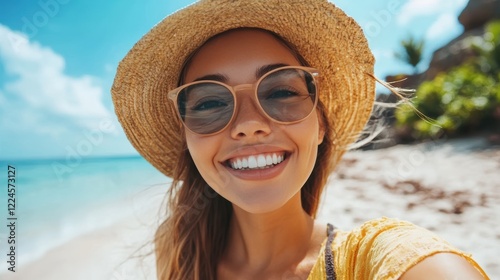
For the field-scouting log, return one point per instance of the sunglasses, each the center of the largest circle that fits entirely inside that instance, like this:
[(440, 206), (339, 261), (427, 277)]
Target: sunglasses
[(285, 95)]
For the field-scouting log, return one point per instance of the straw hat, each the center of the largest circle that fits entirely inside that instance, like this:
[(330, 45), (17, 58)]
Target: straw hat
[(328, 39)]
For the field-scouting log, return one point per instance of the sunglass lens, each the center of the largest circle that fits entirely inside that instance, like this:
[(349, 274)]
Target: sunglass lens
[(205, 107), (287, 95)]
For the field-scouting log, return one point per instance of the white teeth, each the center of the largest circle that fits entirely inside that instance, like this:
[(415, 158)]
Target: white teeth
[(269, 160), (252, 162), (261, 161), (257, 161)]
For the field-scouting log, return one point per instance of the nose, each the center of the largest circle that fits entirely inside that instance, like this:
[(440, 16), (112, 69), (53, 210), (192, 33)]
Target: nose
[(249, 121)]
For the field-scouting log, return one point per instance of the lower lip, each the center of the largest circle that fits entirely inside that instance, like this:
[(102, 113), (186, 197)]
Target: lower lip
[(260, 174)]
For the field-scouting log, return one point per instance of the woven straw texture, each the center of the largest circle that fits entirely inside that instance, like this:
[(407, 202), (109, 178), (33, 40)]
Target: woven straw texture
[(328, 39)]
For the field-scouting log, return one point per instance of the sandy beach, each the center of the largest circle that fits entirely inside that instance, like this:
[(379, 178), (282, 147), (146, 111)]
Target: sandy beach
[(449, 187)]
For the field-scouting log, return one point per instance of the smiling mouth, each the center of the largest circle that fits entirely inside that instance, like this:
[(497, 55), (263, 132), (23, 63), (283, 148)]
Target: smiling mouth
[(255, 162)]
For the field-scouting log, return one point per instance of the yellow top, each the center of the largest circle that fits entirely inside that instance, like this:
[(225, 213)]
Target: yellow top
[(382, 249)]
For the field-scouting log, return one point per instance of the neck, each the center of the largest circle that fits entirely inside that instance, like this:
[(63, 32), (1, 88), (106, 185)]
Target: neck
[(277, 239)]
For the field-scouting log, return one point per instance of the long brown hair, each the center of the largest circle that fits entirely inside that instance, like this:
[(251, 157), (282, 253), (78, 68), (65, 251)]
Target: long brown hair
[(190, 242)]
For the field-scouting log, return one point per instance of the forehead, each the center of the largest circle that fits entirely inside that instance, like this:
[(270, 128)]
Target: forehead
[(237, 54)]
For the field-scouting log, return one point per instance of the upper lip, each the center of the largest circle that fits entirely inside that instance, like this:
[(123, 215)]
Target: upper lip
[(252, 151)]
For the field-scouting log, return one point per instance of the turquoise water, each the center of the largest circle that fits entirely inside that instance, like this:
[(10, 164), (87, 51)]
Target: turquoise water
[(57, 200)]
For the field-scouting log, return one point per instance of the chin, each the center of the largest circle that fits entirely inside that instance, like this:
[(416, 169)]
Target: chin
[(261, 205)]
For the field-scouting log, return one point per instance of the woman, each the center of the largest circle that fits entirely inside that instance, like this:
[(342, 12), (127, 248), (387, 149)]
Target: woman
[(248, 105)]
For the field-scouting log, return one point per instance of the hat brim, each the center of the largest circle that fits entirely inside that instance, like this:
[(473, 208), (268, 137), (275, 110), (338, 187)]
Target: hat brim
[(323, 34)]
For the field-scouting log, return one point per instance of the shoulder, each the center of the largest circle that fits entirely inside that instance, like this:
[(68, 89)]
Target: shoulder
[(386, 248), (444, 266), (387, 234)]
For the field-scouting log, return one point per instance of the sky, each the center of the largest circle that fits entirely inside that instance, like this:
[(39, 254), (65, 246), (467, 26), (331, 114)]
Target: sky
[(58, 60)]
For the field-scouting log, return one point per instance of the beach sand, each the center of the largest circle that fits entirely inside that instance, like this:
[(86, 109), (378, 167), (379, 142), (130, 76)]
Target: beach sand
[(449, 187)]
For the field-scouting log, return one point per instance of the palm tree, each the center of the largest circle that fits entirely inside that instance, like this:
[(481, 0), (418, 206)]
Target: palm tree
[(412, 52)]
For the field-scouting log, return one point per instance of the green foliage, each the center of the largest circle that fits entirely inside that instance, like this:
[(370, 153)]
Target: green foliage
[(411, 52), (461, 100), (489, 49)]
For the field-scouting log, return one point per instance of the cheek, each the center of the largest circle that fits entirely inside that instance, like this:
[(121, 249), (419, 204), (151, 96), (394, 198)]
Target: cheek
[(306, 136), (203, 151), (309, 132), (309, 144), (200, 148)]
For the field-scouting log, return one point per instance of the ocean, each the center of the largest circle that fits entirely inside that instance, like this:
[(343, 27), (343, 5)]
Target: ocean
[(56, 200)]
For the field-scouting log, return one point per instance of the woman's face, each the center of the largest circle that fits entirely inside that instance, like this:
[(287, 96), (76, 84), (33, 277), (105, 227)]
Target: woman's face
[(236, 57)]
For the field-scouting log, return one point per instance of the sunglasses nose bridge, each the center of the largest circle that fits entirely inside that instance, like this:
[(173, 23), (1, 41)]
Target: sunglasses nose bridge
[(249, 89), (243, 87)]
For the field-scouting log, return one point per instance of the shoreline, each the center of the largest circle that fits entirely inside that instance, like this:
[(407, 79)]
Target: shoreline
[(118, 251), (106, 253)]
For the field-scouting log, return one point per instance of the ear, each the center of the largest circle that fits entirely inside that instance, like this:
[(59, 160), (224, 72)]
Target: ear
[(321, 130), (321, 134)]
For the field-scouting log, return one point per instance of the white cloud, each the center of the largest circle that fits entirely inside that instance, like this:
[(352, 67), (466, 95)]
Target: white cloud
[(43, 110), (40, 86), (443, 25), (418, 8)]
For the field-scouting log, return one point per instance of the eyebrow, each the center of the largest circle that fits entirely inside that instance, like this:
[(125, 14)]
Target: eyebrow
[(258, 73), (266, 68), (213, 77)]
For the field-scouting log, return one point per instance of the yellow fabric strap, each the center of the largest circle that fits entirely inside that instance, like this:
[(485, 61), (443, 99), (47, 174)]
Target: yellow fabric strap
[(382, 249)]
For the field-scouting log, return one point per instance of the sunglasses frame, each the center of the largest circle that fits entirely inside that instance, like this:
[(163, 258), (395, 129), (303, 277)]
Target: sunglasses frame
[(173, 95)]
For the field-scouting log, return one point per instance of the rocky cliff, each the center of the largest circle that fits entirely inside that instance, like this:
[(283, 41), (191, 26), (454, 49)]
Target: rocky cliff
[(473, 18)]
